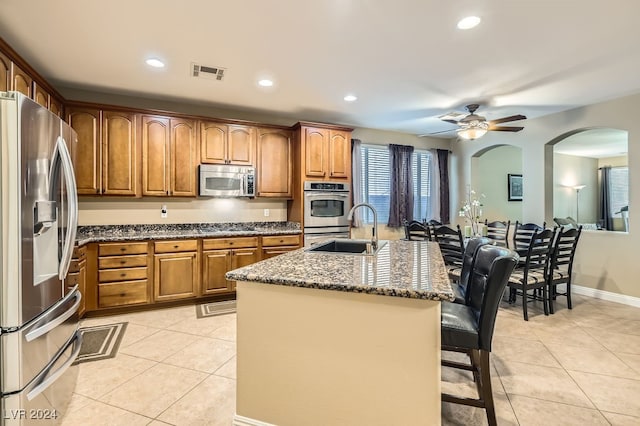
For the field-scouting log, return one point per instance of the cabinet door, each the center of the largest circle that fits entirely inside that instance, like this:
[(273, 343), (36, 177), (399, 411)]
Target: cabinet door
[(82, 285), (184, 158), (315, 148), (213, 142), (175, 276), (88, 167), (119, 153), (5, 73), (241, 148), (155, 155), (20, 80), (339, 155), (216, 263), (40, 95), (274, 166), (244, 257), (55, 106)]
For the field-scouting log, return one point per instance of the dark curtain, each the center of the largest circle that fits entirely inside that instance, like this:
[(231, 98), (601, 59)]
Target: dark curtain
[(605, 199), (401, 197), (443, 165)]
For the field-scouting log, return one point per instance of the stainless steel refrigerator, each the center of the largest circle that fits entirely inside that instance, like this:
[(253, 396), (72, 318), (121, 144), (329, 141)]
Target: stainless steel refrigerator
[(39, 338)]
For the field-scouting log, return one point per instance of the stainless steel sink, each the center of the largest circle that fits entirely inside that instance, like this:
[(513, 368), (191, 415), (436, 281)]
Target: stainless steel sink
[(345, 246)]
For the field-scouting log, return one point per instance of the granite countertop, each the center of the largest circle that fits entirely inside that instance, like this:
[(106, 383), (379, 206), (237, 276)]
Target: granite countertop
[(413, 269), (103, 233)]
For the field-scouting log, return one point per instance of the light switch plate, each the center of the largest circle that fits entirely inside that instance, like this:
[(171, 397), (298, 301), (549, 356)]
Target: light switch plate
[(266, 212)]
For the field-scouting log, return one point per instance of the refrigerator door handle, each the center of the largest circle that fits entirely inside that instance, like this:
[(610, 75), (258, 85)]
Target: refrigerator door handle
[(50, 325), (44, 384), (72, 200)]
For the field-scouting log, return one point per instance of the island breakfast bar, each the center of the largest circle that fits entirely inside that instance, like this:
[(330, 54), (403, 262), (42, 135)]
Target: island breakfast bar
[(367, 351)]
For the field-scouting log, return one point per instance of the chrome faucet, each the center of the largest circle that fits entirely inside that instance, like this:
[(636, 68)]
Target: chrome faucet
[(374, 237)]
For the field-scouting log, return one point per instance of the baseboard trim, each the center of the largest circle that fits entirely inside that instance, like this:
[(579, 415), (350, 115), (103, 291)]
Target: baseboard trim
[(246, 421), (606, 295)]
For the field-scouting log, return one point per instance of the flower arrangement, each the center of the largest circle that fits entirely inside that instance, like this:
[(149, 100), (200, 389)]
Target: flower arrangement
[(471, 210)]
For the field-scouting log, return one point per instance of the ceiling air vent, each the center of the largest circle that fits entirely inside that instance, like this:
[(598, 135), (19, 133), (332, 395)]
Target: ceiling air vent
[(211, 73)]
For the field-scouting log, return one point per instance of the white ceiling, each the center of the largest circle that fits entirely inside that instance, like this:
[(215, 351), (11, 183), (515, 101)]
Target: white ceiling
[(404, 59), (594, 143)]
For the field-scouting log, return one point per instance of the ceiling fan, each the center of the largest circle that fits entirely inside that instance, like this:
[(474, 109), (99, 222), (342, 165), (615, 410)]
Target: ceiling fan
[(474, 126)]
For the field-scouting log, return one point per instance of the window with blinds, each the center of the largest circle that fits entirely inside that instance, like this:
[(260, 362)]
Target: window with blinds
[(376, 182), (618, 189)]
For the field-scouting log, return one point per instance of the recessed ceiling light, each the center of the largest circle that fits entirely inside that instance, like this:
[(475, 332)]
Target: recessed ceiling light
[(154, 62), (468, 22), (351, 98), (265, 82)]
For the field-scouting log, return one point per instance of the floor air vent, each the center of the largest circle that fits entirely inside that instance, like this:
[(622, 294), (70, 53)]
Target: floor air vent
[(211, 73)]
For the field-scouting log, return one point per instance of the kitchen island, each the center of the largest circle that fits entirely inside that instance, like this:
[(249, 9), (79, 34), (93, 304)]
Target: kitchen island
[(341, 339)]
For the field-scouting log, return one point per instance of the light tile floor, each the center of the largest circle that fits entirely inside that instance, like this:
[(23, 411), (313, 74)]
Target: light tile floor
[(576, 367)]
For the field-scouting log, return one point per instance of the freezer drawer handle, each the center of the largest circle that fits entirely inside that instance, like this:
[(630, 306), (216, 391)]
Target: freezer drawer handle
[(60, 371), (47, 327)]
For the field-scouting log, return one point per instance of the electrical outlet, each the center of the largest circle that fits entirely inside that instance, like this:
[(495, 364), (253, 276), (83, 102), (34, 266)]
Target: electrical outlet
[(266, 213), (163, 211)]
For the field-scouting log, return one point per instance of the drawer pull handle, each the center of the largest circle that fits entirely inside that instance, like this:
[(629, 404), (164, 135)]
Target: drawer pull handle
[(123, 249), (231, 243), (176, 246), (282, 241), (122, 262), (123, 294), (123, 275)]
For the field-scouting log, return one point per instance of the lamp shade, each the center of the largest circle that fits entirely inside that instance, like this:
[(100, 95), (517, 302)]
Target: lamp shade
[(471, 133)]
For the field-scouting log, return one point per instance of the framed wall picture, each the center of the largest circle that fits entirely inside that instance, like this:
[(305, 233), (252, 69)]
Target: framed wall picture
[(514, 185)]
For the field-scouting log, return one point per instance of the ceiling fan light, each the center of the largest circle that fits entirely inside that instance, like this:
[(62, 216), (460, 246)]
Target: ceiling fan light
[(471, 133)]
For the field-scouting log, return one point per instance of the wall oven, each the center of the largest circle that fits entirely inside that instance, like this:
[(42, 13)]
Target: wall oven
[(326, 207)]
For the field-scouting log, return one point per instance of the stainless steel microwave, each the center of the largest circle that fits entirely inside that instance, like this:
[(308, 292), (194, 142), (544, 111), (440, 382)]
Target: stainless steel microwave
[(227, 181)]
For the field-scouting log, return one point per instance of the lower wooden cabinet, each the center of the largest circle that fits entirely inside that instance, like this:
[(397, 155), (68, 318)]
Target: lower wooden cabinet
[(273, 246), (122, 274), (221, 255), (176, 275), (78, 276)]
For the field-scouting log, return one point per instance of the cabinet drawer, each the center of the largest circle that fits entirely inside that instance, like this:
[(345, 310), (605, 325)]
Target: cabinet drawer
[(73, 278), (122, 261), (225, 243), (123, 274), (281, 240), (74, 266), (121, 248), (124, 293), (79, 252), (176, 246)]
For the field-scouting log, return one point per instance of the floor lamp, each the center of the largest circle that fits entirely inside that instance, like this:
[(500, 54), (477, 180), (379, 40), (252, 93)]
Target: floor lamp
[(578, 188)]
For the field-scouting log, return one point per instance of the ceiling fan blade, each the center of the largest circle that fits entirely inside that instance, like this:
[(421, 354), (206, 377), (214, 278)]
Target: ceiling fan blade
[(442, 131), (450, 121), (507, 119), (505, 128)]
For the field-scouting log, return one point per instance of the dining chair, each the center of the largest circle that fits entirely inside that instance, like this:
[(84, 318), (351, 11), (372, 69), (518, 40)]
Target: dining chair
[(416, 231), (532, 271), (523, 232), (498, 231), (469, 328), (451, 245), (460, 276), (560, 271)]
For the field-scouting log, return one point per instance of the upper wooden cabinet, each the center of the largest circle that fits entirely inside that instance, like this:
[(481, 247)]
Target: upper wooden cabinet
[(274, 166), (227, 144), (56, 106), (327, 153), (21, 81), (5, 73), (40, 95), (106, 155), (88, 167), (119, 165), (169, 156)]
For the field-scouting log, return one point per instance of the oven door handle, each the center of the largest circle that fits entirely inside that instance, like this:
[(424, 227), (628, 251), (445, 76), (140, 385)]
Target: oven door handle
[(326, 195)]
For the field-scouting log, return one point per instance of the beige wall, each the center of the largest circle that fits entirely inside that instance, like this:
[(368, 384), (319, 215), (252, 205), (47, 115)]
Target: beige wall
[(620, 161), (605, 260), (490, 172), (568, 171), (109, 211)]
